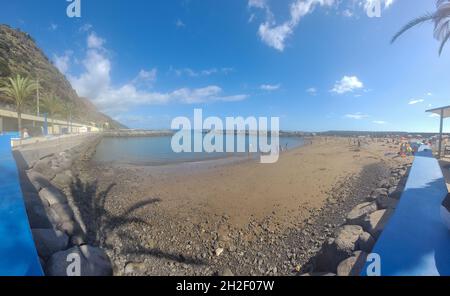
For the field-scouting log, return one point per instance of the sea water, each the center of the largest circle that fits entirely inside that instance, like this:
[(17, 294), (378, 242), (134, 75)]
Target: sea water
[(157, 150)]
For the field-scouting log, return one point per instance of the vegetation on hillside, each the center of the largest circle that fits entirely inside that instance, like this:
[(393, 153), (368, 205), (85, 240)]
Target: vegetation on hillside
[(19, 55)]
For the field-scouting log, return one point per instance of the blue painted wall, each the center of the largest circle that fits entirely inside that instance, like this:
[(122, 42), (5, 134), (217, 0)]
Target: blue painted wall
[(415, 242), (18, 255)]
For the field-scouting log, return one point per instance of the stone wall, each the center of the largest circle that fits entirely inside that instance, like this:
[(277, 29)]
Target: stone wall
[(54, 218), (345, 254)]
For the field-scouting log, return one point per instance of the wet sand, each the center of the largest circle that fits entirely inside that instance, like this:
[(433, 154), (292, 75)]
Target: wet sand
[(241, 217)]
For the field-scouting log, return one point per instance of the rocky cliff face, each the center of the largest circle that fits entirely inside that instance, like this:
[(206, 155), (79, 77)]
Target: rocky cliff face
[(19, 54)]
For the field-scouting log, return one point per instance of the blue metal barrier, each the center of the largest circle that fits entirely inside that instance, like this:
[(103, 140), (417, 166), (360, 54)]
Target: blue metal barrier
[(18, 255), (415, 242)]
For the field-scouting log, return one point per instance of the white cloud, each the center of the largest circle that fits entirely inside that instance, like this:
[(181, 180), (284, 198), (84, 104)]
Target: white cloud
[(62, 63), (312, 91), (347, 13), (347, 84), (356, 116), (53, 27), (434, 115), (416, 101), (179, 23), (207, 72), (274, 34), (257, 3), (380, 122), (94, 41), (85, 28), (95, 83), (270, 87), (146, 78)]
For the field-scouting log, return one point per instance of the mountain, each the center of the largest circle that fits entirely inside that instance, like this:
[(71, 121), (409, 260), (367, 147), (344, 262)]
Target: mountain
[(19, 54)]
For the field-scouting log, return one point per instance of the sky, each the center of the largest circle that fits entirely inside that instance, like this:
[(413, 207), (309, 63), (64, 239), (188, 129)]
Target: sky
[(317, 64)]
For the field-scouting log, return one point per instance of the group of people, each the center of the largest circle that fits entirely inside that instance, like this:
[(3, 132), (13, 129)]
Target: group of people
[(406, 149)]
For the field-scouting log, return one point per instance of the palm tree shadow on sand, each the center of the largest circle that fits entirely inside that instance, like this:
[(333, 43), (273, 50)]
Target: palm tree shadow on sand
[(101, 223)]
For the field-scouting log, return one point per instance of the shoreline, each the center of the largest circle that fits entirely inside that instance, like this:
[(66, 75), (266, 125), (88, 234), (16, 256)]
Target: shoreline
[(165, 231), (207, 218)]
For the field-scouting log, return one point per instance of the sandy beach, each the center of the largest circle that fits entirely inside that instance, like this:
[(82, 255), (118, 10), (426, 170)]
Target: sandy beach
[(243, 218)]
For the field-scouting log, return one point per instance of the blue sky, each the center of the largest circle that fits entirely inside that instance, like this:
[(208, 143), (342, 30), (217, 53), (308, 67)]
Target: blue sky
[(317, 64)]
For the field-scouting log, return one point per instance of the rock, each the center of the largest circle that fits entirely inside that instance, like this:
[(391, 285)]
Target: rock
[(93, 262), (64, 212), (318, 274), (225, 272), (53, 196), (43, 167), (366, 242), (357, 214), (135, 268), (384, 184), (65, 164), (375, 222), (62, 180), (378, 192), (219, 251), (37, 180), (69, 227), (386, 203), (37, 216), (352, 266), (49, 241), (396, 194), (338, 249)]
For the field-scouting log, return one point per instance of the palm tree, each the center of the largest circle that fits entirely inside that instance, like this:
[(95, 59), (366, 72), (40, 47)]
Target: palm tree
[(52, 105), (441, 20), (18, 89)]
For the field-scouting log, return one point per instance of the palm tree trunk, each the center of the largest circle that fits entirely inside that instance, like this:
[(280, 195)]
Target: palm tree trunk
[(19, 123)]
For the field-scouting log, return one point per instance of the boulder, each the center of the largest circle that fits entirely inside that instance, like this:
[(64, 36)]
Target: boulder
[(397, 194), (49, 241), (366, 242), (377, 193), (338, 249), (37, 215), (356, 215), (386, 203), (225, 272), (66, 164), (43, 167), (318, 274), (62, 180), (93, 262), (135, 268), (352, 266), (64, 212), (53, 196), (384, 184), (375, 222), (38, 180)]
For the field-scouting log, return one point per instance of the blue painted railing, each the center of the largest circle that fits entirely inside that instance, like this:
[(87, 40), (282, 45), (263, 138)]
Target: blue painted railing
[(18, 255), (415, 242)]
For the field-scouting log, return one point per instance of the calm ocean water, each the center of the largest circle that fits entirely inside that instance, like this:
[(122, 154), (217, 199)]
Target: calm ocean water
[(158, 150)]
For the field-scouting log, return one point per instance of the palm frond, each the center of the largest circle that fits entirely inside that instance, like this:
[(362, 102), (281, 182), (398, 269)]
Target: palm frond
[(417, 21), (444, 42)]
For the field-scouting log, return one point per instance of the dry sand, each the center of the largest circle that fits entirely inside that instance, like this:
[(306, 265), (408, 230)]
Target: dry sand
[(175, 219)]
